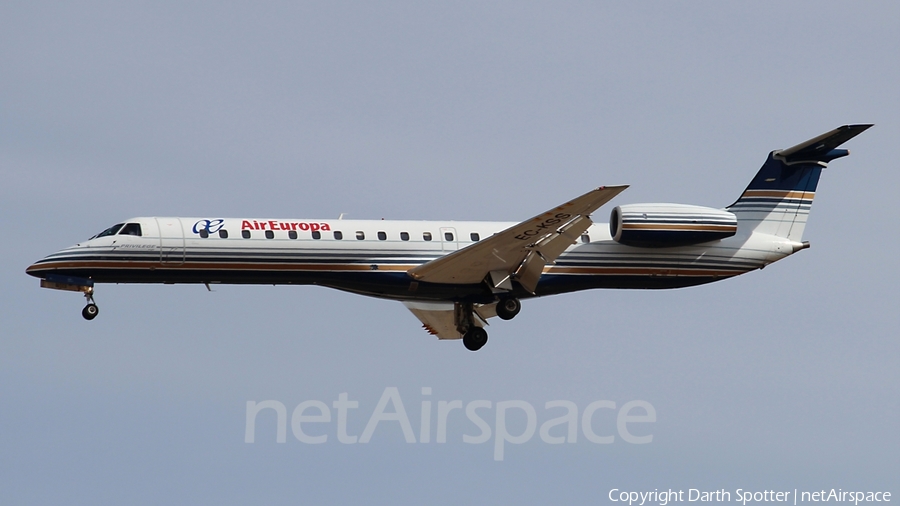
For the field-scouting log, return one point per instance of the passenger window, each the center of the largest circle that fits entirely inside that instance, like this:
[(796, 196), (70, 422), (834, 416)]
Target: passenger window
[(270, 234), (292, 234), (360, 235), (223, 233), (204, 233), (404, 236), (382, 235), (338, 235), (426, 236), (316, 234), (131, 229), (475, 237), (585, 238), (245, 234), (448, 236)]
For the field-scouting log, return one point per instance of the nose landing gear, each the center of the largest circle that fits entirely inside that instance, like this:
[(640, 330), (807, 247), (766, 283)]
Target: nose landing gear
[(91, 310), (73, 284)]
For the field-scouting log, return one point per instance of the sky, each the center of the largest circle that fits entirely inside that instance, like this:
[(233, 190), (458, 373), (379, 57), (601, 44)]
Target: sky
[(780, 379)]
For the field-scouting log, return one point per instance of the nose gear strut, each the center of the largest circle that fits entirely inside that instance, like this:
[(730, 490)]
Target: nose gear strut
[(91, 310)]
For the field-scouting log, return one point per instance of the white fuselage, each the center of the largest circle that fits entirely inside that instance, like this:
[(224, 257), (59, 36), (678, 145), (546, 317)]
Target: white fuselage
[(372, 257)]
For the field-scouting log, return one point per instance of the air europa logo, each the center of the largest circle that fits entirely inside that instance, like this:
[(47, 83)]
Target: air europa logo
[(211, 226), (283, 225)]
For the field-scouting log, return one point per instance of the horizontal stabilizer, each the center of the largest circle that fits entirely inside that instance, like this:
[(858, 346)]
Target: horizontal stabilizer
[(822, 148)]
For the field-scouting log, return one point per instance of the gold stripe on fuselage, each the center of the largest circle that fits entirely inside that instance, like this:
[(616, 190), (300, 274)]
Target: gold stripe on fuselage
[(644, 271), (675, 226), (785, 194), (250, 266), (233, 266)]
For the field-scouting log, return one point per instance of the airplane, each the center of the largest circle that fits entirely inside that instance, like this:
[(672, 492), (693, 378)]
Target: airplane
[(455, 275)]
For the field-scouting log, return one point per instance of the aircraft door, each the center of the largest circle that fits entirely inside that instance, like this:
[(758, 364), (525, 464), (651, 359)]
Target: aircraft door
[(171, 241), (449, 240)]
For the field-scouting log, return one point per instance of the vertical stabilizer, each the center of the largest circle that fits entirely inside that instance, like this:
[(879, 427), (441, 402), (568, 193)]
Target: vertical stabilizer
[(777, 201)]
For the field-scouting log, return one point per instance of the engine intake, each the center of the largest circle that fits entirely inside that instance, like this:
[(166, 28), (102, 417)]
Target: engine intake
[(665, 225)]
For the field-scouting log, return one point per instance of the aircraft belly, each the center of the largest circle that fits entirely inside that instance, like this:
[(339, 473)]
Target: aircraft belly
[(587, 267), (559, 284)]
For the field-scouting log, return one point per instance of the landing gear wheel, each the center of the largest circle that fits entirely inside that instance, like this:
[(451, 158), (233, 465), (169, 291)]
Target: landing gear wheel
[(90, 311), (507, 309), (475, 338)]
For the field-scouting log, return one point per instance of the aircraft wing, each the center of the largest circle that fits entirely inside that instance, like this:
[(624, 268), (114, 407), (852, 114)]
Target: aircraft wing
[(521, 251), (437, 317)]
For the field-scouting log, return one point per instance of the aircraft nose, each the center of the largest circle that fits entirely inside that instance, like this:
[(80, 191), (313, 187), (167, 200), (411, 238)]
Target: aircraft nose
[(55, 263), (34, 270), (39, 269)]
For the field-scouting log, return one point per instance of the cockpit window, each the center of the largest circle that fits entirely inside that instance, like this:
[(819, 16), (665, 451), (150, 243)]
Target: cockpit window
[(110, 231), (131, 229)]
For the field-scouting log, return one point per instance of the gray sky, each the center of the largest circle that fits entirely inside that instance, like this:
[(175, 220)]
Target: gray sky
[(778, 379)]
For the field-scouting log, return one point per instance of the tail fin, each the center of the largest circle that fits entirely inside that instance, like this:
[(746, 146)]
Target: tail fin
[(778, 199)]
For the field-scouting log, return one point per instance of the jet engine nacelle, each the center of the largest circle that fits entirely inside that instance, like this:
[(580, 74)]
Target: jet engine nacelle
[(662, 225)]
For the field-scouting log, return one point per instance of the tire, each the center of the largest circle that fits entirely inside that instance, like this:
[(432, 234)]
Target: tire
[(475, 339), (90, 311), (507, 309)]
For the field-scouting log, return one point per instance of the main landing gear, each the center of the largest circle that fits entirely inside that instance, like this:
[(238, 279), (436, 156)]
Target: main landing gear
[(474, 336), (91, 310), (508, 308)]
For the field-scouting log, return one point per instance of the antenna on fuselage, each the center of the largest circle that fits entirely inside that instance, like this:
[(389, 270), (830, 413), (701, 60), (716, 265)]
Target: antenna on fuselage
[(341, 217)]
